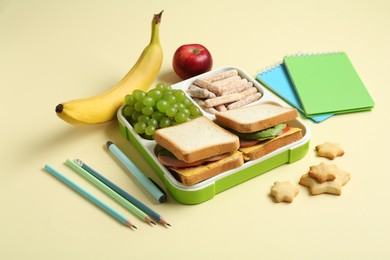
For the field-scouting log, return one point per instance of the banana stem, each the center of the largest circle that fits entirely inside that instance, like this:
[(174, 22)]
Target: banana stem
[(157, 17), (155, 27)]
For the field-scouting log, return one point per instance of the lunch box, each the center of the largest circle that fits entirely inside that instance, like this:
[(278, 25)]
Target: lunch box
[(207, 189)]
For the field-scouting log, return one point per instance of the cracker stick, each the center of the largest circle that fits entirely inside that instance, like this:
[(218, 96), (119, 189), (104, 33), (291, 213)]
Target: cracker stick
[(198, 92), (221, 75), (249, 91), (220, 108), (201, 103), (238, 89), (246, 100), (224, 82), (209, 86), (212, 102), (233, 85)]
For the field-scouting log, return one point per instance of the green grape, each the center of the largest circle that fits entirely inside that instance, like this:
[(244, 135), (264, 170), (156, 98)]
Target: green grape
[(195, 111), (128, 110), (171, 111), (180, 118), (185, 111), (143, 118), (135, 115), (147, 110), (139, 127), (169, 97), (186, 102), (139, 94), (130, 100), (156, 94), (152, 122), (148, 101), (179, 95), (160, 86), (180, 106), (163, 87), (149, 130), (157, 115), (167, 87), (165, 122), (139, 105), (162, 105)]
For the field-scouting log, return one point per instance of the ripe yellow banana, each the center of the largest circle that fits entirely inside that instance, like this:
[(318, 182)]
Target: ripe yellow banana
[(102, 108)]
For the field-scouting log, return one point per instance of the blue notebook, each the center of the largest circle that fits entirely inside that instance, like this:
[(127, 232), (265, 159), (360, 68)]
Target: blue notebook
[(276, 79)]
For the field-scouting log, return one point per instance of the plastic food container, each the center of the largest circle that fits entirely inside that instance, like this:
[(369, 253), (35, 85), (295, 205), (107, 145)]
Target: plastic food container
[(207, 189)]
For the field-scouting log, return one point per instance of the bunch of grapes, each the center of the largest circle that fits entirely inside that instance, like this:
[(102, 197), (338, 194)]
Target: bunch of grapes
[(157, 108)]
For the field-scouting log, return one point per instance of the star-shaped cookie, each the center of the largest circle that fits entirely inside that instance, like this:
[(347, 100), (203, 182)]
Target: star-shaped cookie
[(329, 150), (284, 191), (331, 187), (323, 172)]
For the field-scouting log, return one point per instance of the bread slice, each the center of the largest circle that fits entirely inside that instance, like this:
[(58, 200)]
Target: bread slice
[(197, 139), (255, 118), (193, 175), (268, 146)]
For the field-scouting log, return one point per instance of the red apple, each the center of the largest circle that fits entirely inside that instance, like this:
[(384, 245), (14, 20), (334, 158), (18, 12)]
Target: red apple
[(190, 60)]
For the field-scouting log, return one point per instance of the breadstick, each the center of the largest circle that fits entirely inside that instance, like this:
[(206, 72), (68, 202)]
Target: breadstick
[(221, 75), (248, 92), (201, 103), (238, 89), (209, 86), (224, 82), (195, 91), (212, 102), (233, 85), (220, 108), (246, 100)]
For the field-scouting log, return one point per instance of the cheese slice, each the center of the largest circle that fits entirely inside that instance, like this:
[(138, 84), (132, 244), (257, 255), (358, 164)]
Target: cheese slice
[(268, 146)]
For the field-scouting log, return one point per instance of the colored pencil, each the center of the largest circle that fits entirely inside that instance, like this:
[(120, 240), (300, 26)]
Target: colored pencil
[(89, 196), (123, 193), (126, 204), (146, 182)]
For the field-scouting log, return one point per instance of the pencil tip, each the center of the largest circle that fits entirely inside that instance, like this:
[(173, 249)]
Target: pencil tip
[(109, 143), (130, 225), (164, 222), (153, 222)]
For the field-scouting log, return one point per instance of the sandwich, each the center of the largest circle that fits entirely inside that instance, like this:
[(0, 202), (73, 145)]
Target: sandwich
[(261, 128), (197, 150)]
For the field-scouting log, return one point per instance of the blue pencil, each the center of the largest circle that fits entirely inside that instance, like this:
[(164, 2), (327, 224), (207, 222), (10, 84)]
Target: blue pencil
[(146, 182), (123, 193), (89, 196)]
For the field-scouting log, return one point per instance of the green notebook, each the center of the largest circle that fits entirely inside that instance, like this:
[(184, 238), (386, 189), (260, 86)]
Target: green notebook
[(327, 83)]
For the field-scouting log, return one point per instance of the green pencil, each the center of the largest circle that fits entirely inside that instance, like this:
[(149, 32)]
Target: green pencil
[(125, 203)]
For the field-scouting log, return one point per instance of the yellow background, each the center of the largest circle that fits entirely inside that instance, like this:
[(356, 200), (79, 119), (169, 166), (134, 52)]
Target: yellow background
[(54, 51)]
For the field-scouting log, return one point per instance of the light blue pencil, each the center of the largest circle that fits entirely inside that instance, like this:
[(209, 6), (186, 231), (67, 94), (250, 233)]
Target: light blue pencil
[(89, 196), (146, 182)]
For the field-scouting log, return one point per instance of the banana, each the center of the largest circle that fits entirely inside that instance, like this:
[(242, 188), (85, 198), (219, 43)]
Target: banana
[(103, 107)]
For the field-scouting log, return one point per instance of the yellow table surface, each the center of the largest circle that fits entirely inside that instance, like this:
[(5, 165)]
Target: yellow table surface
[(54, 51)]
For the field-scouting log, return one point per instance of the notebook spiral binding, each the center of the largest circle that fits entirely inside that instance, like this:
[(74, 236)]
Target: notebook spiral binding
[(274, 66), (269, 68), (305, 54)]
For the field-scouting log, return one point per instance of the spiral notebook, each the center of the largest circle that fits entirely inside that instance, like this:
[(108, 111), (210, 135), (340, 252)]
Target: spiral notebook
[(276, 79), (327, 83)]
